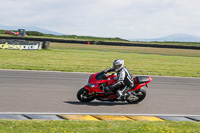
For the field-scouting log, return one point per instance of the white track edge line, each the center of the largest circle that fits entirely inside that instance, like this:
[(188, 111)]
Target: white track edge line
[(117, 114)]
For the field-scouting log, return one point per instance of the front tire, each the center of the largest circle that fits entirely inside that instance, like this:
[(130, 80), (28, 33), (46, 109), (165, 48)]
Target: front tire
[(140, 95), (83, 95)]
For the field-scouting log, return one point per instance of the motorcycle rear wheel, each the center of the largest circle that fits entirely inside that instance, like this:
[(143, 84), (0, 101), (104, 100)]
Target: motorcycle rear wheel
[(83, 95), (139, 97)]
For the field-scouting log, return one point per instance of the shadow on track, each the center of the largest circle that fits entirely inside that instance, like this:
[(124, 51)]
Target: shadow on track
[(97, 103)]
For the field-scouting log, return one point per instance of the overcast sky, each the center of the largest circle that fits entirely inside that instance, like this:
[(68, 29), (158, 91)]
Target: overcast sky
[(105, 18)]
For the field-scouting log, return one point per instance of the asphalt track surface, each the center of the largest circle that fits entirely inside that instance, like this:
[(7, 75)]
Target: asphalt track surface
[(55, 92)]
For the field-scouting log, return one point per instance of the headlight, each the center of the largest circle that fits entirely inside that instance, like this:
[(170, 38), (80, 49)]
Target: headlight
[(91, 85)]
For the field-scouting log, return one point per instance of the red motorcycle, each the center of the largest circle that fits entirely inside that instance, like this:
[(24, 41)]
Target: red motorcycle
[(96, 85)]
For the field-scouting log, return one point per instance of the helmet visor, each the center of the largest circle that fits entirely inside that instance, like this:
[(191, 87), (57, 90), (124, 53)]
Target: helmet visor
[(117, 66)]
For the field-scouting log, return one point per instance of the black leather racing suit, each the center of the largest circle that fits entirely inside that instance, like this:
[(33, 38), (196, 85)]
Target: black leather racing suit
[(125, 79)]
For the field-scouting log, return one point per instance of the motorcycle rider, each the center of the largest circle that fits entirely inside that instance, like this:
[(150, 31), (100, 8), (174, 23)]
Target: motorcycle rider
[(125, 79)]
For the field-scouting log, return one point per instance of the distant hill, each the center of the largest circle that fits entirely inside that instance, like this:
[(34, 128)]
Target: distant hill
[(173, 38), (29, 28)]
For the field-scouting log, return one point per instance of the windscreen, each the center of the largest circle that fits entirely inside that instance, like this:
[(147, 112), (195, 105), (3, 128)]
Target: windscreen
[(101, 76)]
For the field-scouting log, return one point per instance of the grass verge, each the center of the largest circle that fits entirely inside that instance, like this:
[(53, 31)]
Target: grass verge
[(93, 61), (66, 126)]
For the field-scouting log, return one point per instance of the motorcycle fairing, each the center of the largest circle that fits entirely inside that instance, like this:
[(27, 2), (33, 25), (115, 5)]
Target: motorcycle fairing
[(97, 78)]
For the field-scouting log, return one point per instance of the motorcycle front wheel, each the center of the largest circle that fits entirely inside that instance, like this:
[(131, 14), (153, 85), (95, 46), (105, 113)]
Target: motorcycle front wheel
[(140, 95), (83, 95)]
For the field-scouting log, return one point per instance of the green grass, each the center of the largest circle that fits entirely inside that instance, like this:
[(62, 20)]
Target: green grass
[(146, 50), (93, 61), (66, 126)]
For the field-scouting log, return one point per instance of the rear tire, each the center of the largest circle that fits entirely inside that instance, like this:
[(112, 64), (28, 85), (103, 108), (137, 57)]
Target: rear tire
[(83, 95), (138, 97)]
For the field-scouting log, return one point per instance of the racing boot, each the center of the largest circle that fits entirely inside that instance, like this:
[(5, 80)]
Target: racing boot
[(121, 93)]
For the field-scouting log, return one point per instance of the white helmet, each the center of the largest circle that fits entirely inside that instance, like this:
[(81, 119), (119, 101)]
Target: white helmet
[(118, 64)]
